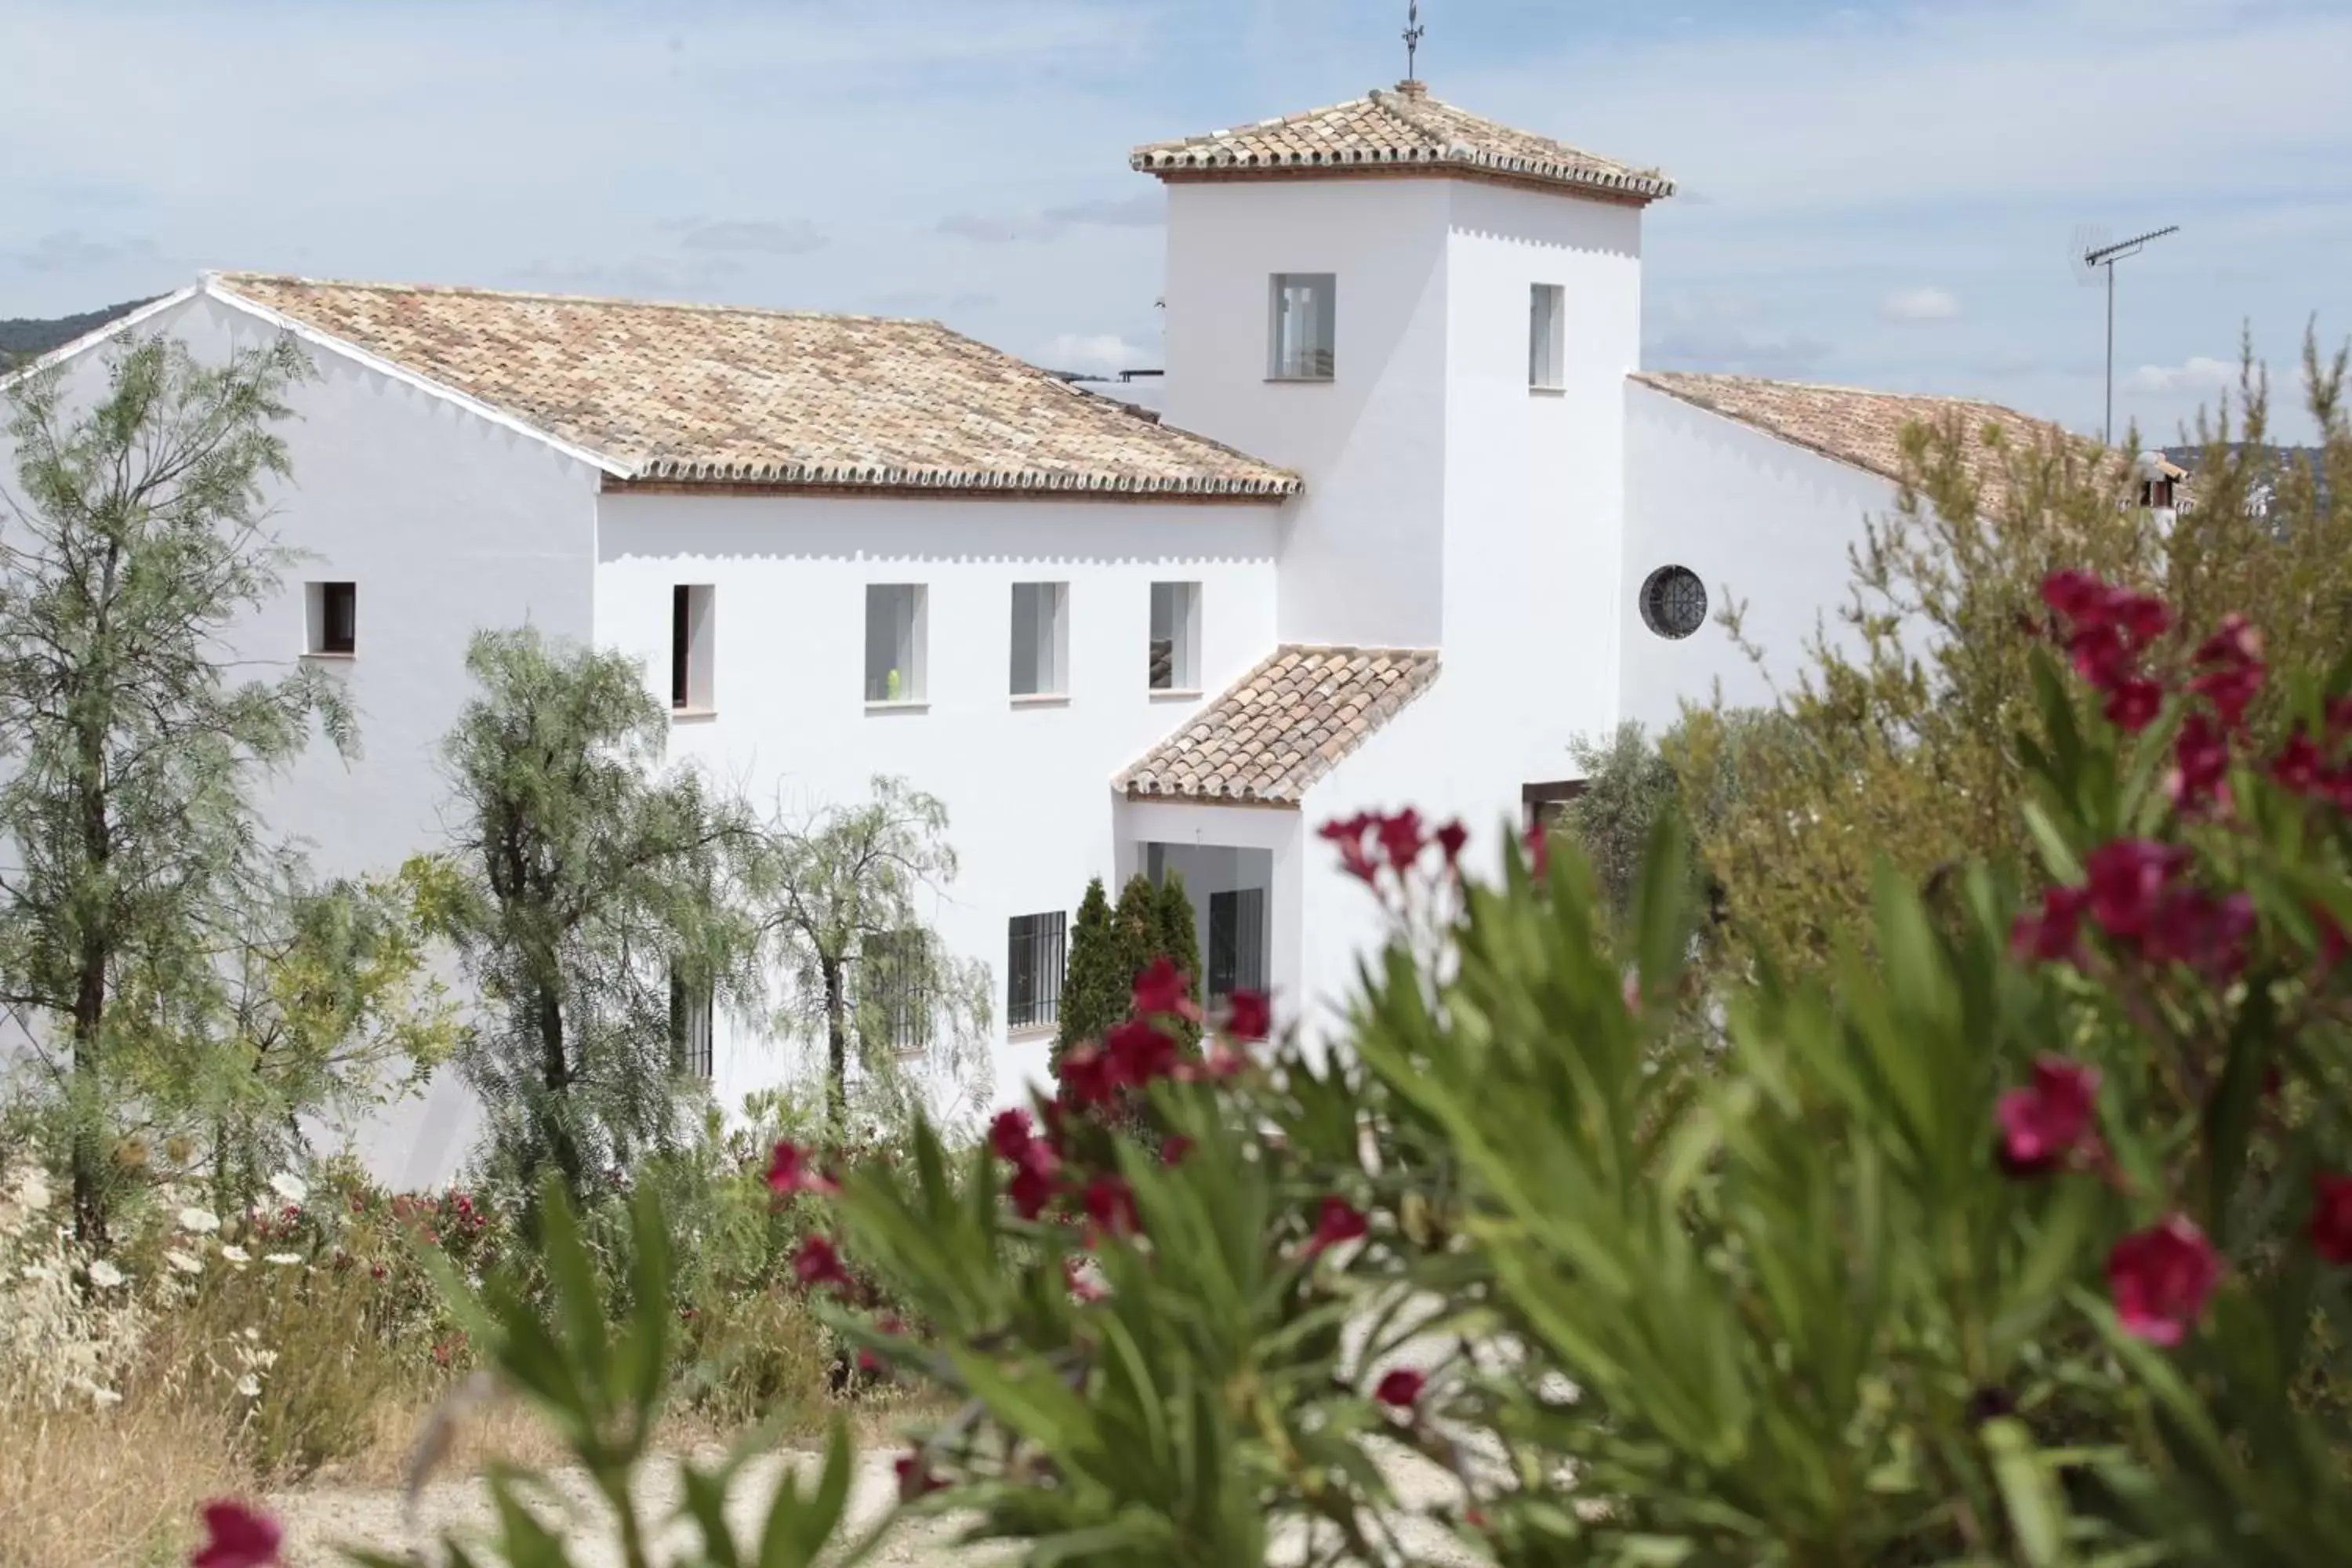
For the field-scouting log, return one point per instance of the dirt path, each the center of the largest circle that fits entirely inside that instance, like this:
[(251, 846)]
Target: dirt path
[(318, 1521)]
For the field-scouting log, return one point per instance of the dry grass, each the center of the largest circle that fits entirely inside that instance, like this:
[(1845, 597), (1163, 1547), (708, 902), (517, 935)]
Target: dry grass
[(116, 1488)]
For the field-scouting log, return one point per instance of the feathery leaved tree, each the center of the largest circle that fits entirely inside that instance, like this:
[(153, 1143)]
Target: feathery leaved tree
[(584, 880), (840, 896), (1902, 736), (135, 537), (1095, 987)]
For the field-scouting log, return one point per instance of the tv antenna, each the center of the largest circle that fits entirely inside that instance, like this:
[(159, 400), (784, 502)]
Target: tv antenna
[(1412, 36), (2094, 255)]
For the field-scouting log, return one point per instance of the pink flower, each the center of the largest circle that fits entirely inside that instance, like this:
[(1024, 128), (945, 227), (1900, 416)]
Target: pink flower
[(2195, 928), (1033, 1185), (1336, 1221), (2234, 670), (2161, 1278), (2125, 878), (1074, 1279), (2200, 763), (1248, 1017), (1348, 833), (235, 1536), (2052, 933), (1110, 1205), (2140, 619), (1009, 1135), (1400, 1388), (2298, 765), (816, 1263), (1451, 839), (1172, 1153), (915, 1477), (2132, 703), (1402, 839), (2041, 1126), (1164, 989), (1088, 1076), (788, 1171), (1138, 1052), (1537, 841), (2077, 595), (2331, 1216)]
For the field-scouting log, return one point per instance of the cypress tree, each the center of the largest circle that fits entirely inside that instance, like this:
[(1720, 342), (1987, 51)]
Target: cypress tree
[(1095, 987), (1136, 923), (1180, 940)]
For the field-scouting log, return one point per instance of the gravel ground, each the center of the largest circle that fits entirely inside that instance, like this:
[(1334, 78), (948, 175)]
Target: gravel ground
[(319, 1520)]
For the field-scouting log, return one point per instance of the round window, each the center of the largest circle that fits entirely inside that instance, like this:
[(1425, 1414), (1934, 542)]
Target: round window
[(1674, 601)]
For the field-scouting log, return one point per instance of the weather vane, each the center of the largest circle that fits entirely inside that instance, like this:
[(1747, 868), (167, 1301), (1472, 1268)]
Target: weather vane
[(1412, 32)]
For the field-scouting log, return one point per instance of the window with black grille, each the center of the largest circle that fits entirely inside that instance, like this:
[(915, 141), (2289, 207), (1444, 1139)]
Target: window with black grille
[(1674, 601), (1033, 969), (896, 1000), (1236, 941), (689, 1027)]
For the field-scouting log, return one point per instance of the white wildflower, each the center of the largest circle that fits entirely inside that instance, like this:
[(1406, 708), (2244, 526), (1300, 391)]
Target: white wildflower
[(249, 1385), (289, 1186), (284, 1259), (265, 1359), (254, 1335), (182, 1262), (199, 1222), (104, 1397), (236, 1254), (105, 1274)]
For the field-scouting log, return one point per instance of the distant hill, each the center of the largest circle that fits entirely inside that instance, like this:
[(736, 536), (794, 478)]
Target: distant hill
[(25, 337)]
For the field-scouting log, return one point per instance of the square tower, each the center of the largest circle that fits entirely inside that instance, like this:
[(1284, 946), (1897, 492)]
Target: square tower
[(1430, 317)]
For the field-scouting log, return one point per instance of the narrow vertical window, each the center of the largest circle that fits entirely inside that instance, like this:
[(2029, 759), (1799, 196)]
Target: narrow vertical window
[(1175, 636), (1546, 337), (689, 1027), (332, 611), (1041, 640), (895, 1000), (1304, 330), (894, 642), (1032, 971), (1236, 956), (692, 639)]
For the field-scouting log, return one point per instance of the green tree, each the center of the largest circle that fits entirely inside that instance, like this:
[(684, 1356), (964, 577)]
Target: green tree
[(136, 537), (1095, 988), (583, 881), (1902, 731), (1134, 928), (1177, 940), (840, 900)]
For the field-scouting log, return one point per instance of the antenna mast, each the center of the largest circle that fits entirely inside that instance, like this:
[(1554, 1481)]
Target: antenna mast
[(2106, 256), (1412, 36)]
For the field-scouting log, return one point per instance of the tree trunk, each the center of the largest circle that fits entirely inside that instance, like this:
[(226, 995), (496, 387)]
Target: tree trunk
[(555, 1078), (89, 1157), (836, 1055)]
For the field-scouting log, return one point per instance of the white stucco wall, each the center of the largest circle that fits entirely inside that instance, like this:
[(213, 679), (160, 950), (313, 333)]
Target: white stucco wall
[(1534, 492), (1027, 787), (447, 522), (1361, 558), (1763, 522)]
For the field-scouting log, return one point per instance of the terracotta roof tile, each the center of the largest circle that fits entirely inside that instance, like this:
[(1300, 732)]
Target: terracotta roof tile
[(1282, 726), (1391, 130), (700, 392), (1863, 428)]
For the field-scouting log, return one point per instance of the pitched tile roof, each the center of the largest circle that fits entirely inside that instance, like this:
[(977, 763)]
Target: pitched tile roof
[(1391, 131), (711, 394), (1282, 726), (1863, 428)]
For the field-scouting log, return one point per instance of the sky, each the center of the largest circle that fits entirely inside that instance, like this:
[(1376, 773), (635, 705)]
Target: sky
[(1877, 194)]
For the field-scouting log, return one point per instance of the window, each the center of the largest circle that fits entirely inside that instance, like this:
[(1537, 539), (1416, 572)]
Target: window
[(1546, 336), (894, 642), (894, 985), (334, 615), (692, 635), (1041, 638), (1674, 601), (1304, 317), (1236, 941), (1175, 636), (689, 1027), (1032, 971)]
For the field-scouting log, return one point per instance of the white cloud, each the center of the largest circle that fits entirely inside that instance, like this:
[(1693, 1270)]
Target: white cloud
[(1096, 351), (2197, 373), (1927, 304), (794, 236)]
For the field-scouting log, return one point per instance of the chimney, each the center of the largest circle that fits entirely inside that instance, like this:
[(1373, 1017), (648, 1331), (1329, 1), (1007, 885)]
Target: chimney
[(1413, 87)]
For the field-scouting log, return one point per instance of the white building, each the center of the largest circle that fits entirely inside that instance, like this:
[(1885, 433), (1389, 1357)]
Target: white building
[(1410, 516)]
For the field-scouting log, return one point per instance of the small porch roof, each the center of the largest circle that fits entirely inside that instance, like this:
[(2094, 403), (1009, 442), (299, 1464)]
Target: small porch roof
[(1269, 737)]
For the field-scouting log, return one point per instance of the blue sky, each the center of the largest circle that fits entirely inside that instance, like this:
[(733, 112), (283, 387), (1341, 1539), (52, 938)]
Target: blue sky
[(1877, 194)]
